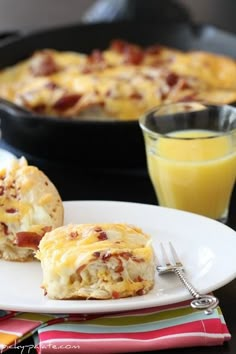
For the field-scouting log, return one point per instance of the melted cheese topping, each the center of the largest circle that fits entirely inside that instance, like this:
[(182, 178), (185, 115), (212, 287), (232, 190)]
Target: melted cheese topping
[(28, 202), (16, 196), (121, 82), (89, 260)]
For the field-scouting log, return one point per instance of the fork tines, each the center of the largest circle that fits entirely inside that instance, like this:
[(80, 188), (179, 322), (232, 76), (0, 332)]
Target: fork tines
[(175, 256), (168, 264)]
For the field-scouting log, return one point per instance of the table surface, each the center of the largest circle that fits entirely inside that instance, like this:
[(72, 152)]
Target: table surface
[(76, 183)]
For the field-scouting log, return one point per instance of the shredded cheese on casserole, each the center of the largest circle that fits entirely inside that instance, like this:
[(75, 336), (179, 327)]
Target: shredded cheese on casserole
[(121, 82)]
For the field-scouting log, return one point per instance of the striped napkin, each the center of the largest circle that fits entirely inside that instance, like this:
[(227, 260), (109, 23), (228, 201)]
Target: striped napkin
[(156, 328)]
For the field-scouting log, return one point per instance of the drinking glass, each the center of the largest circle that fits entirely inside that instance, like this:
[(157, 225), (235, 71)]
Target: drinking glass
[(191, 156)]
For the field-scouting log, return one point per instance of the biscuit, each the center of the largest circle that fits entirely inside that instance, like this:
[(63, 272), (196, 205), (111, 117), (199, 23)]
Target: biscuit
[(30, 205), (96, 261)]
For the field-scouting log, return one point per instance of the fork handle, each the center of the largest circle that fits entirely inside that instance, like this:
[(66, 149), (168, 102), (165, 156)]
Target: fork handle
[(200, 302)]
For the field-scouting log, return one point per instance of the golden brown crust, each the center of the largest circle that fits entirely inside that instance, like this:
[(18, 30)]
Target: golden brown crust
[(30, 205)]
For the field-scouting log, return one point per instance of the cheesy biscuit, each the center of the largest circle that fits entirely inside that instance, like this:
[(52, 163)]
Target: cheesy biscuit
[(96, 261), (30, 205)]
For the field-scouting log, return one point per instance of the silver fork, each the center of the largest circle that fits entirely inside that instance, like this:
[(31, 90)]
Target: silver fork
[(201, 301)]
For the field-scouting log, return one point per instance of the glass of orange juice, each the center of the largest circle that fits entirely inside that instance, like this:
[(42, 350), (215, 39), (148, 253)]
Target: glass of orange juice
[(191, 156)]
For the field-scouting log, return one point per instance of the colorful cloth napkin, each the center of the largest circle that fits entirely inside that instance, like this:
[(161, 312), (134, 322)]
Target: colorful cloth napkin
[(155, 328)]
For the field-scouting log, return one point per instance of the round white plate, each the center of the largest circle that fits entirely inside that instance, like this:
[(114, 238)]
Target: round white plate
[(206, 247), (6, 158)]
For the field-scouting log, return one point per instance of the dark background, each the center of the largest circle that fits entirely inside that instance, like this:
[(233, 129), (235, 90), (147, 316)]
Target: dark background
[(25, 15), (34, 14)]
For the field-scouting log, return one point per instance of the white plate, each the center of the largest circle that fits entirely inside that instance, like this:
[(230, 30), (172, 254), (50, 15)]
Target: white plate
[(206, 247), (6, 158)]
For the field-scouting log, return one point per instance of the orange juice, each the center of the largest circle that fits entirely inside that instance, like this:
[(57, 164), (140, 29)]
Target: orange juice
[(193, 170)]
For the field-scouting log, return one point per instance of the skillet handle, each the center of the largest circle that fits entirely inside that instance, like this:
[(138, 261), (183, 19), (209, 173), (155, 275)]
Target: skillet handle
[(9, 108), (10, 35)]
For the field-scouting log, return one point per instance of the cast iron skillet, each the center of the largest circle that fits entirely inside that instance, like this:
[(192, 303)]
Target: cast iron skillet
[(93, 143)]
